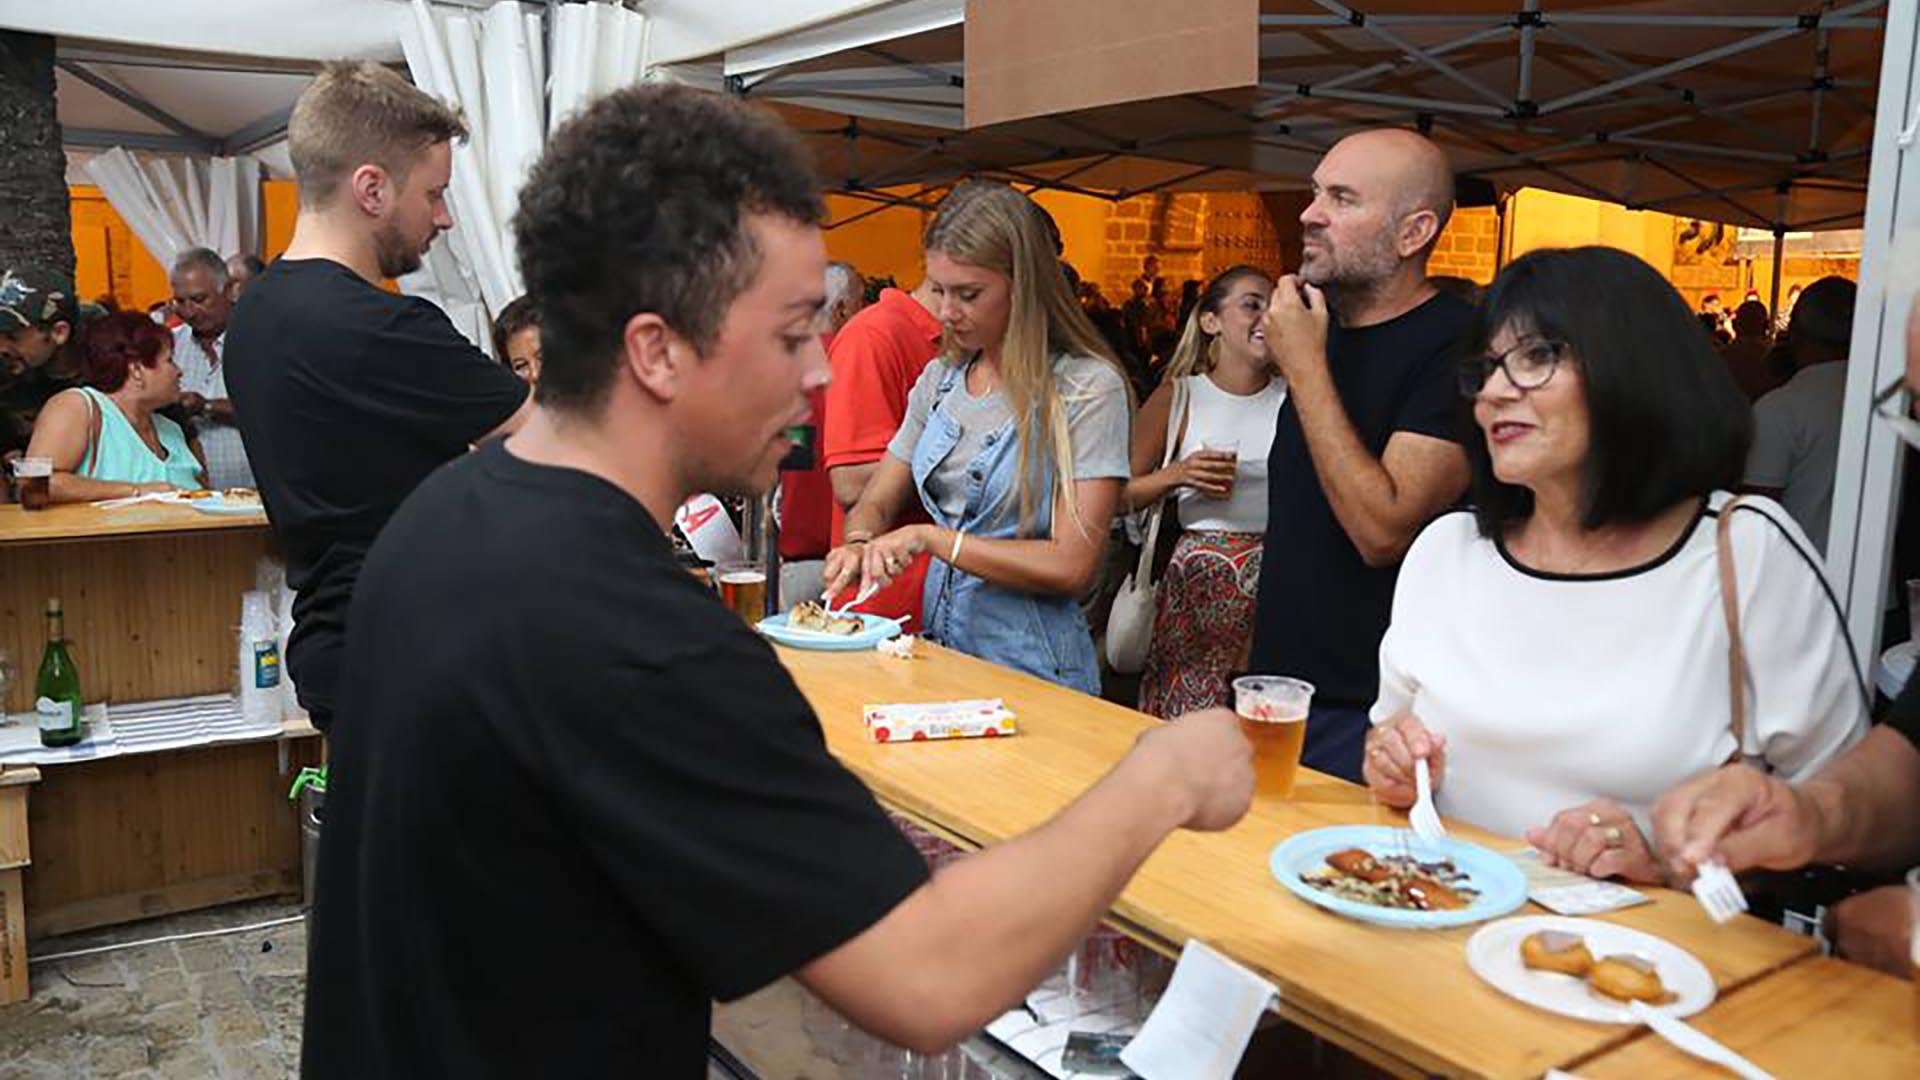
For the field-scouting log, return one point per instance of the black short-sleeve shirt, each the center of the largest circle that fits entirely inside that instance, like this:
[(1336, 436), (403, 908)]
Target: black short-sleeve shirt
[(1322, 610), (346, 397), (573, 799)]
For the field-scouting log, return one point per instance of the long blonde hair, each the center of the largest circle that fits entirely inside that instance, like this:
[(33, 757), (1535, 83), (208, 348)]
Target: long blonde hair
[(1198, 350), (992, 226)]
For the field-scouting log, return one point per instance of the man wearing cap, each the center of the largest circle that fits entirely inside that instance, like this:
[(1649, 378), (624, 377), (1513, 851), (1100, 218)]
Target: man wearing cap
[(40, 347)]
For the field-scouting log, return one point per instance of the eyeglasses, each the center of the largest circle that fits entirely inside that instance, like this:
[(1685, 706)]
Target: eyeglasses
[(1528, 366), (1892, 406)]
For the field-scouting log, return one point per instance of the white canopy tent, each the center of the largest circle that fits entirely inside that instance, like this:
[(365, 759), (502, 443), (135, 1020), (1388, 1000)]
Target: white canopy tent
[(1763, 113)]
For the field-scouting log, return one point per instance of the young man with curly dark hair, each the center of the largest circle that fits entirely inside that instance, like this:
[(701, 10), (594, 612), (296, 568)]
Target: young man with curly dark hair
[(574, 798)]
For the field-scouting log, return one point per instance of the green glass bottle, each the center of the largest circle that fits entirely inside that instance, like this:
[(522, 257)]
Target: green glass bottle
[(58, 689)]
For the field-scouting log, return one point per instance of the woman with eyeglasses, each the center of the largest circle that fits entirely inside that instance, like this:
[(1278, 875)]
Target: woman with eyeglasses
[(1559, 653)]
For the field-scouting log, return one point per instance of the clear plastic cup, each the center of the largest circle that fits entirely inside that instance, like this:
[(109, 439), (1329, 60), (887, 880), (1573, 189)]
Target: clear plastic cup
[(1273, 714), (33, 478)]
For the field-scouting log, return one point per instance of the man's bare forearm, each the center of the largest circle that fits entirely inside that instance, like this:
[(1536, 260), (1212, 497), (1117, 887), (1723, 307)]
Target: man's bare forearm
[(1868, 799)]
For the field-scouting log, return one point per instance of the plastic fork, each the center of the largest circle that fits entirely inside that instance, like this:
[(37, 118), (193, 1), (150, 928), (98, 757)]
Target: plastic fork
[(1423, 817), (1694, 1041), (1718, 892), (865, 594)]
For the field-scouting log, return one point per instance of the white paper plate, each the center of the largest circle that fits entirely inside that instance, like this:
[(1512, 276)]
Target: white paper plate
[(1494, 954)]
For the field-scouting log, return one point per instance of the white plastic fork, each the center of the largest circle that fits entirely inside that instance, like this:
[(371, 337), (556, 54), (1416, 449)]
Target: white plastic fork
[(1696, 1042), (1423, 817), (1718, 892), (865, 594)]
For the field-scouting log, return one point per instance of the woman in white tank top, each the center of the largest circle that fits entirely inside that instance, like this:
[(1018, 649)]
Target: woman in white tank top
[(1217, 481)]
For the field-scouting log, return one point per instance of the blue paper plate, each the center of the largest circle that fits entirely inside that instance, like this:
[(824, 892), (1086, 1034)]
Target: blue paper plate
[(220, 504), (877, 630), (1502, 886)]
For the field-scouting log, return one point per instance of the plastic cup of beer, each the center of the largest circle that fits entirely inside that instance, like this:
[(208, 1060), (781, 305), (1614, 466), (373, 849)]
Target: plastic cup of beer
[(743, 587), (1273, 714), (34, 477), (1226, 446)]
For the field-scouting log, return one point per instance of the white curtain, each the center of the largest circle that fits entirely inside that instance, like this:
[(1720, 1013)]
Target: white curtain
[(176, 203), (596, 48), (490, 65)]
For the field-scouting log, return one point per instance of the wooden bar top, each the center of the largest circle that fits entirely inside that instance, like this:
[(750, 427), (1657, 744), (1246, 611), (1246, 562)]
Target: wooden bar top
[(1397, 996), (84, 521), (1820, 1017)]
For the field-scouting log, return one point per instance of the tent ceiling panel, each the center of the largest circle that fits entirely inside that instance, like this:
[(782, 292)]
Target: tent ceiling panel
[(81, 105), (884, 23), (300, 29), (219, 103)]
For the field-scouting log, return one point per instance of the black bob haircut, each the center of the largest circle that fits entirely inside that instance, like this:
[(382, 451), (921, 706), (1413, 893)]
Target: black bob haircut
[(1666, 420), (640, 204)]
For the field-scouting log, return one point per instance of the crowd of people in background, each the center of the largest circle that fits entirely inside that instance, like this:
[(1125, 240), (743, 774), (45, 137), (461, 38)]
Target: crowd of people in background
[(74, 381)]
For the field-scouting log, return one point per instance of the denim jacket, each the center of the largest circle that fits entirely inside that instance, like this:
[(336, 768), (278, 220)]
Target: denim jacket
[(1045, 636)]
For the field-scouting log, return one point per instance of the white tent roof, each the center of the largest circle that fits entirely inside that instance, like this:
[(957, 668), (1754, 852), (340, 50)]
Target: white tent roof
[(1700, 107)]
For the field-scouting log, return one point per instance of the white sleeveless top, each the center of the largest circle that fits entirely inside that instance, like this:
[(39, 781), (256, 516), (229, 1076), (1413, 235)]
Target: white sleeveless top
[(1214, 414)]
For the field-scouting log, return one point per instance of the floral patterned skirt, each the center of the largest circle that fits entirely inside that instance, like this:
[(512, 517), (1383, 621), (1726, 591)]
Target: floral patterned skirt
[(1203, 616)]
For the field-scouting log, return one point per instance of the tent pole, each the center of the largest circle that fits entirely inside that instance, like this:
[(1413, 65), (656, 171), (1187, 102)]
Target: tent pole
[(1779, 251)]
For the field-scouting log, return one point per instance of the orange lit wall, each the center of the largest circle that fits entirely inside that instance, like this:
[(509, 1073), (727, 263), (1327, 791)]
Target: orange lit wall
[(887, 243), (110, 261), (279, 204)]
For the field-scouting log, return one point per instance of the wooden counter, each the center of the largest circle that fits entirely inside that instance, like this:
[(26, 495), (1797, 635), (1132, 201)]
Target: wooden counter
[(1404, 1000), (82, 521), (1818, 1018), (152, 601), (151, 593)]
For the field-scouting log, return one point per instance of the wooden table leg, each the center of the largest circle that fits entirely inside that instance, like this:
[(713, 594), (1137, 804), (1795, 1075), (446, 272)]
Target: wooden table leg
[(13, 938), (14, 855)]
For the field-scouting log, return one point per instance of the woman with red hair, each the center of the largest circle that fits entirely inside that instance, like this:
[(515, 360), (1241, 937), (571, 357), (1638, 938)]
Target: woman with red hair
[(105, 438)]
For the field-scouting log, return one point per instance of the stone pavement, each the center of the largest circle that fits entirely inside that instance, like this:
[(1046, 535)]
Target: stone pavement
[(222, 1007)]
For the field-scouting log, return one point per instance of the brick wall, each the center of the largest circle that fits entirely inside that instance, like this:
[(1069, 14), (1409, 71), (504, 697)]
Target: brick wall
[(1169, 226), (1470, 246), (1194, 235)]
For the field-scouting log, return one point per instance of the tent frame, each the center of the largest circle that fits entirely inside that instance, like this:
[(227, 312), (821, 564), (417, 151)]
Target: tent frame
[(1573, 115)]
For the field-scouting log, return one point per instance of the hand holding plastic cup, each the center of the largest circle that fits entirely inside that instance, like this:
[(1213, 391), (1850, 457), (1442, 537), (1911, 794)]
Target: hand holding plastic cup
[(1273, 714)]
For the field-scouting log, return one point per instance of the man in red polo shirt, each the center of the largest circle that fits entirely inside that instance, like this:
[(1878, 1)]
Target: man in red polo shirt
[(808, 516), (877, 357)]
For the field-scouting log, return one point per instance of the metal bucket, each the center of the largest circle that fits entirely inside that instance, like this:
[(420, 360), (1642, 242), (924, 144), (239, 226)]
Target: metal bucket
[(310, 789)]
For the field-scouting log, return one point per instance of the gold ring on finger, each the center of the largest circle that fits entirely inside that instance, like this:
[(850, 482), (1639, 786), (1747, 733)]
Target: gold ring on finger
[(1613, 836), (1593, 819)]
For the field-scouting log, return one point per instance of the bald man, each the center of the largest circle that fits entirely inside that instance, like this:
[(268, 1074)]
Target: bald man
[(1366, 450), (1862, 811)]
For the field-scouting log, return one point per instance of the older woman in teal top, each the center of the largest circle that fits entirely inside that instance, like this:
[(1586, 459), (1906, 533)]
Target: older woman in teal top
[(105, 438)]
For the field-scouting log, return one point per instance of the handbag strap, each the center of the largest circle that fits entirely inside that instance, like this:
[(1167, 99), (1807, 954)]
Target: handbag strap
[(94, 420), (1176, 427), (1730, 607)]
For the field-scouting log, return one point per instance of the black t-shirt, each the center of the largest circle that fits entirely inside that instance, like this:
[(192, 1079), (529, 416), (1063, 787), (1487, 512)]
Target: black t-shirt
[(22, 400), (1322, 610), (573, 798), (346, 397), (1904, 717)]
